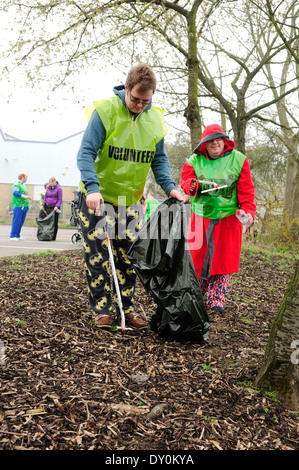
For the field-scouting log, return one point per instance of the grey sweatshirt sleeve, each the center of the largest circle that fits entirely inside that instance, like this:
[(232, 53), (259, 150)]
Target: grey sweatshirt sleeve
[(92, 141), (161, 169)]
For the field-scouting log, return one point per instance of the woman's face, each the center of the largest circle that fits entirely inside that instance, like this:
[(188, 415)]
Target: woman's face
[(215, 147), (52, 182)]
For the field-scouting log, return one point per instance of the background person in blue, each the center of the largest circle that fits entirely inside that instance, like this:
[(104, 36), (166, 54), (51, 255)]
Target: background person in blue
[(20, 205)]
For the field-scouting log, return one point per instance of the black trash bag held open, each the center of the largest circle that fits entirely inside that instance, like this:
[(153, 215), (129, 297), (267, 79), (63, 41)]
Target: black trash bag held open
[(45, 226), (163, 263)]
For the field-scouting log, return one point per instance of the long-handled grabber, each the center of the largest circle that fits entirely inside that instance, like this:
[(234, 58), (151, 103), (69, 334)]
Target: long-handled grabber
[(116, 285), (213, 189), (206, 182), (34, 205), (215, 185)]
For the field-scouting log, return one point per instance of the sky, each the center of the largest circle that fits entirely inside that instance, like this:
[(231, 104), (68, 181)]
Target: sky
[(28, 114), (32, 113), (35, 114)]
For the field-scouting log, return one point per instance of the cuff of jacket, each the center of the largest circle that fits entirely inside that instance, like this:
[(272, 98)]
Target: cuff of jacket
[(92, 188)]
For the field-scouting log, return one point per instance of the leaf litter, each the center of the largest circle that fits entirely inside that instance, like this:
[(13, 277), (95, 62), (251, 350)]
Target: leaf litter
[(66, 385)]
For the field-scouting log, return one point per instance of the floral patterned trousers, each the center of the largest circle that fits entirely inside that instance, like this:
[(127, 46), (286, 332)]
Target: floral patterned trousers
[(215, 287)]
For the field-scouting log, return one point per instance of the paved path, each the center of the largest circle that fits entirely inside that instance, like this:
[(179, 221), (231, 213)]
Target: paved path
[(31, 244)]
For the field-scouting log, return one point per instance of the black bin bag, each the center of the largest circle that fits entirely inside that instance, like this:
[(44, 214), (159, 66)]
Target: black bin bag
[(163, 263), (45, 226)]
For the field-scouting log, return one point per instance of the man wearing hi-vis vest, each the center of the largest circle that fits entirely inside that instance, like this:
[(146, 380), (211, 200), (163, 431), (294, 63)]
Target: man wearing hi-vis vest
[(215, 233), (124, 138)]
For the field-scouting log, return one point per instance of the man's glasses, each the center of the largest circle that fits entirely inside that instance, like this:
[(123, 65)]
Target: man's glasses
[(137, 100)]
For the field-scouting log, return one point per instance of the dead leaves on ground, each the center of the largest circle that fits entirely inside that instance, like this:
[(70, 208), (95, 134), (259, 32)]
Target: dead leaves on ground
[(66, 385)]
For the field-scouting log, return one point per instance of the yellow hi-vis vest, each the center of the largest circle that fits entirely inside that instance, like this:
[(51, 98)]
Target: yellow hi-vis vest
[(124, 160)]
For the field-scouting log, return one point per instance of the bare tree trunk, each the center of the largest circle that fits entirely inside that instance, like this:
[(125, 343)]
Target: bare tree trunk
[(291, 206), (192, 113), (290, 134), (239, 129), (280, 367)]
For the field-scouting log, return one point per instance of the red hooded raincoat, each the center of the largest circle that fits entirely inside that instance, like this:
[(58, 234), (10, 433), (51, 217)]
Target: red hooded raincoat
[(215, 244)]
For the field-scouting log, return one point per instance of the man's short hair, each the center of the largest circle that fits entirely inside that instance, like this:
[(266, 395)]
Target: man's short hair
[(21, 175), (143, 76)]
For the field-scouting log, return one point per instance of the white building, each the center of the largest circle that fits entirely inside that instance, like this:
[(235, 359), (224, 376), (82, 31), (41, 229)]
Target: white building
[(40, 161)]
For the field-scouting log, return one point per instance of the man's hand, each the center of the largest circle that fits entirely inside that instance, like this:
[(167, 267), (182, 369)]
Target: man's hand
[(176, 194), (93, 201)]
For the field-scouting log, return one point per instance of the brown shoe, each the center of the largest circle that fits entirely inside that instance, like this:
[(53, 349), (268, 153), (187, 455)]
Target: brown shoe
[(103, 321), (132, 319)]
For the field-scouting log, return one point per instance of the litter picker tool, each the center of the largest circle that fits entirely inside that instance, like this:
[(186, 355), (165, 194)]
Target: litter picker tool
[(116, 284), (215, 188), (35, 206)]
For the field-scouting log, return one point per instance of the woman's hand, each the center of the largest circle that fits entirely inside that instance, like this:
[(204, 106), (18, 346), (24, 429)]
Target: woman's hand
[(193, 186), (250, 220)]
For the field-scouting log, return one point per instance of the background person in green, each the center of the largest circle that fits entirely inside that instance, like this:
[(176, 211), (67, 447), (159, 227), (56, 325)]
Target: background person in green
[(123, 140), (20, 205), (150, 205)]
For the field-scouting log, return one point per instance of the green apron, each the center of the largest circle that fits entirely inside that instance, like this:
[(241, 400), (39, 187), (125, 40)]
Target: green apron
[(223, 171), (19, 201)]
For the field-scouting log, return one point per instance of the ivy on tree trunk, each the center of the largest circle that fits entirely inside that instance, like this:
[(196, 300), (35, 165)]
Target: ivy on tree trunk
[(280, 367)]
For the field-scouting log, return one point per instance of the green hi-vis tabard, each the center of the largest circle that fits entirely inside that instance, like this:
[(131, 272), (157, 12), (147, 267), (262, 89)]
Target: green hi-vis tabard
[(222, 171), (19, 201), (124, 160), (152, 206)]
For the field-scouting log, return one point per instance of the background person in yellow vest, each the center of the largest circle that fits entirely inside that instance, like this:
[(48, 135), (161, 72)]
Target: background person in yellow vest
[(215, 233), (123, 140), (42, 194), (20, 205)]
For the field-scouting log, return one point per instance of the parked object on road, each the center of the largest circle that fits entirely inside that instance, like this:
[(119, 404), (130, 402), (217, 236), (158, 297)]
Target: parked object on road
[(76, 238)]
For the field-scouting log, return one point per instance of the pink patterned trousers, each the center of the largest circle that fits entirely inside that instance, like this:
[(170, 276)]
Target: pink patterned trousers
[(215, 287)]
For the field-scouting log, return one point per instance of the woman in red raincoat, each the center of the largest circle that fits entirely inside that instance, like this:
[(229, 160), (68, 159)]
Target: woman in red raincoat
[(215, 233)]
